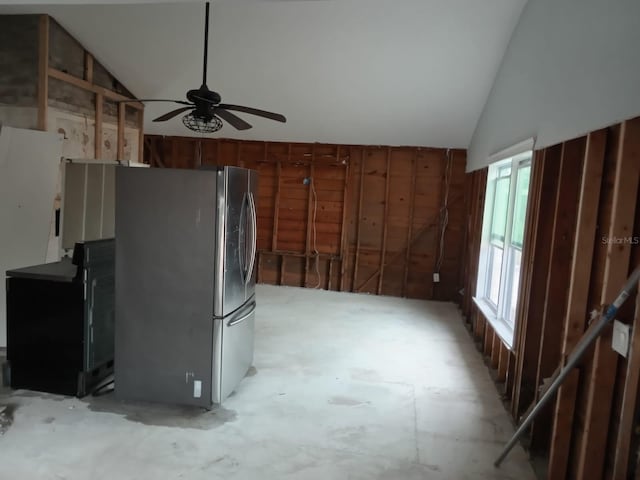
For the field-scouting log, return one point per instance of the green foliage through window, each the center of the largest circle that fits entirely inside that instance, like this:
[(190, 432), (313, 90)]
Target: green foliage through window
[(520, 207), (500, 208)]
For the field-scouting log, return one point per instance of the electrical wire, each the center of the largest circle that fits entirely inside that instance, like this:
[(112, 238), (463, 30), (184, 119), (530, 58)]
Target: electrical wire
[(313, 230), (444, 211)]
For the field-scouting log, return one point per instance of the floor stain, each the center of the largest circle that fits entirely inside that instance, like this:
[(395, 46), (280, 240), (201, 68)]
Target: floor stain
[(6, 417), (349, 435), (251, 372), (43, 395), (49, 420), (347, 401), (413, 471), (298, 467), (226, 460), (365, 374), (156, 414)]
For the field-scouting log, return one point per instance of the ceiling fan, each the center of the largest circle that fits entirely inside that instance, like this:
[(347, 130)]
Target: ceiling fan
[(205, 109)]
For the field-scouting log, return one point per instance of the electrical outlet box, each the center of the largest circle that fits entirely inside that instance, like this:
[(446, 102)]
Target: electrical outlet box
[(436, 277), (620, 339)]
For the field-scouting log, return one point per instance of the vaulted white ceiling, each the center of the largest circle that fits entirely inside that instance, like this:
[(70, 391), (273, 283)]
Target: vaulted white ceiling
[(393, 72)]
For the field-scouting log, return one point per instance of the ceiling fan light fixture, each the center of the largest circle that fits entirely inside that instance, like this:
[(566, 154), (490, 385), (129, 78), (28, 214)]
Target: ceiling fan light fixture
[(201, 125)]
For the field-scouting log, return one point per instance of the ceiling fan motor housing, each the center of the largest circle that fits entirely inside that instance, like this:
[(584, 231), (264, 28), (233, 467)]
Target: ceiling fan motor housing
[(203, 92), (205, 101)]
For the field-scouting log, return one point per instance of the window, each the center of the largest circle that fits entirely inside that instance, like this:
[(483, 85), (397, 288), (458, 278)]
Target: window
[(502, 241)]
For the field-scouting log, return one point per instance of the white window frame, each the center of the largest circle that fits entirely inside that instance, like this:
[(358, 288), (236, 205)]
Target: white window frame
[(497, 314)]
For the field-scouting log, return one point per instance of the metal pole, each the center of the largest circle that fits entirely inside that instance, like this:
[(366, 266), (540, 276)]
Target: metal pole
[(573, 360)]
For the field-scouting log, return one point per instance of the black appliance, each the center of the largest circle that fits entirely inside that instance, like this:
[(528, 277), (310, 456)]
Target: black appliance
[(60, 321)]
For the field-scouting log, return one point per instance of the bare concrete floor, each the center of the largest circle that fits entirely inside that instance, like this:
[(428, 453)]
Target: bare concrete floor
[(344, 387)]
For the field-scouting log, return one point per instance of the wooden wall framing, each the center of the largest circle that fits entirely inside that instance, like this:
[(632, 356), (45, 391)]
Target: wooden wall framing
[(581, 242), (86, 82), (378, 211)]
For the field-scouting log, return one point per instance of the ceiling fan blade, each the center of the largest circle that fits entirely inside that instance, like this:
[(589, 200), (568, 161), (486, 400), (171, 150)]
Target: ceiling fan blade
[(172, 114), (233, 120), (254, 111), (182, 102)]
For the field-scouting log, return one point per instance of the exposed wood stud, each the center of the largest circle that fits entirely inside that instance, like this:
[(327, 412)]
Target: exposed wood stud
[(43, 68), (239, 158), (447, 157), (545, 198), (155, 159), (359, 219), (81, 83), (343, 228), (276, 207), (575, 317), (503, 362), (508, 387), (385, 220), (488, 339), (603, 374), (88, 67), (120, 138), (479, 326), (98, 126), (174, 148), (412, 201), (466, 238), (141, 136), (475, 223), (283, 258), (429, 226), (495, 351), (629, 400), (558, 276), (311, 200)]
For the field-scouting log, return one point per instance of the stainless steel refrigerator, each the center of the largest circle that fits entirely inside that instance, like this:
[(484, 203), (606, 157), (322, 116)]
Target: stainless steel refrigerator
[(185, 283)]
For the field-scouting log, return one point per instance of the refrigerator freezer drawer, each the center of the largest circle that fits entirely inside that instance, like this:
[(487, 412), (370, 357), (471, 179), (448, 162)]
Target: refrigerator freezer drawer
[(233, 350)]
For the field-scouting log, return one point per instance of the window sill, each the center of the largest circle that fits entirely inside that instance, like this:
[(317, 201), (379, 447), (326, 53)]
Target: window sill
[(502, 328)]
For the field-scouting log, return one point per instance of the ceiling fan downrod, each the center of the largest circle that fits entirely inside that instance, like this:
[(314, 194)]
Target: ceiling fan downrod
[(206, 44)]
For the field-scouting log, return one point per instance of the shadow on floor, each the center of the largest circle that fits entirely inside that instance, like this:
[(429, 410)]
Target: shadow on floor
[(149, 413)]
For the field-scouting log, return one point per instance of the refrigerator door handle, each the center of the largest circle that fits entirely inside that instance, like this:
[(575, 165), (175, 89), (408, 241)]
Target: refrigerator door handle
[(236, 321), (242, 239), (254, 238)]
